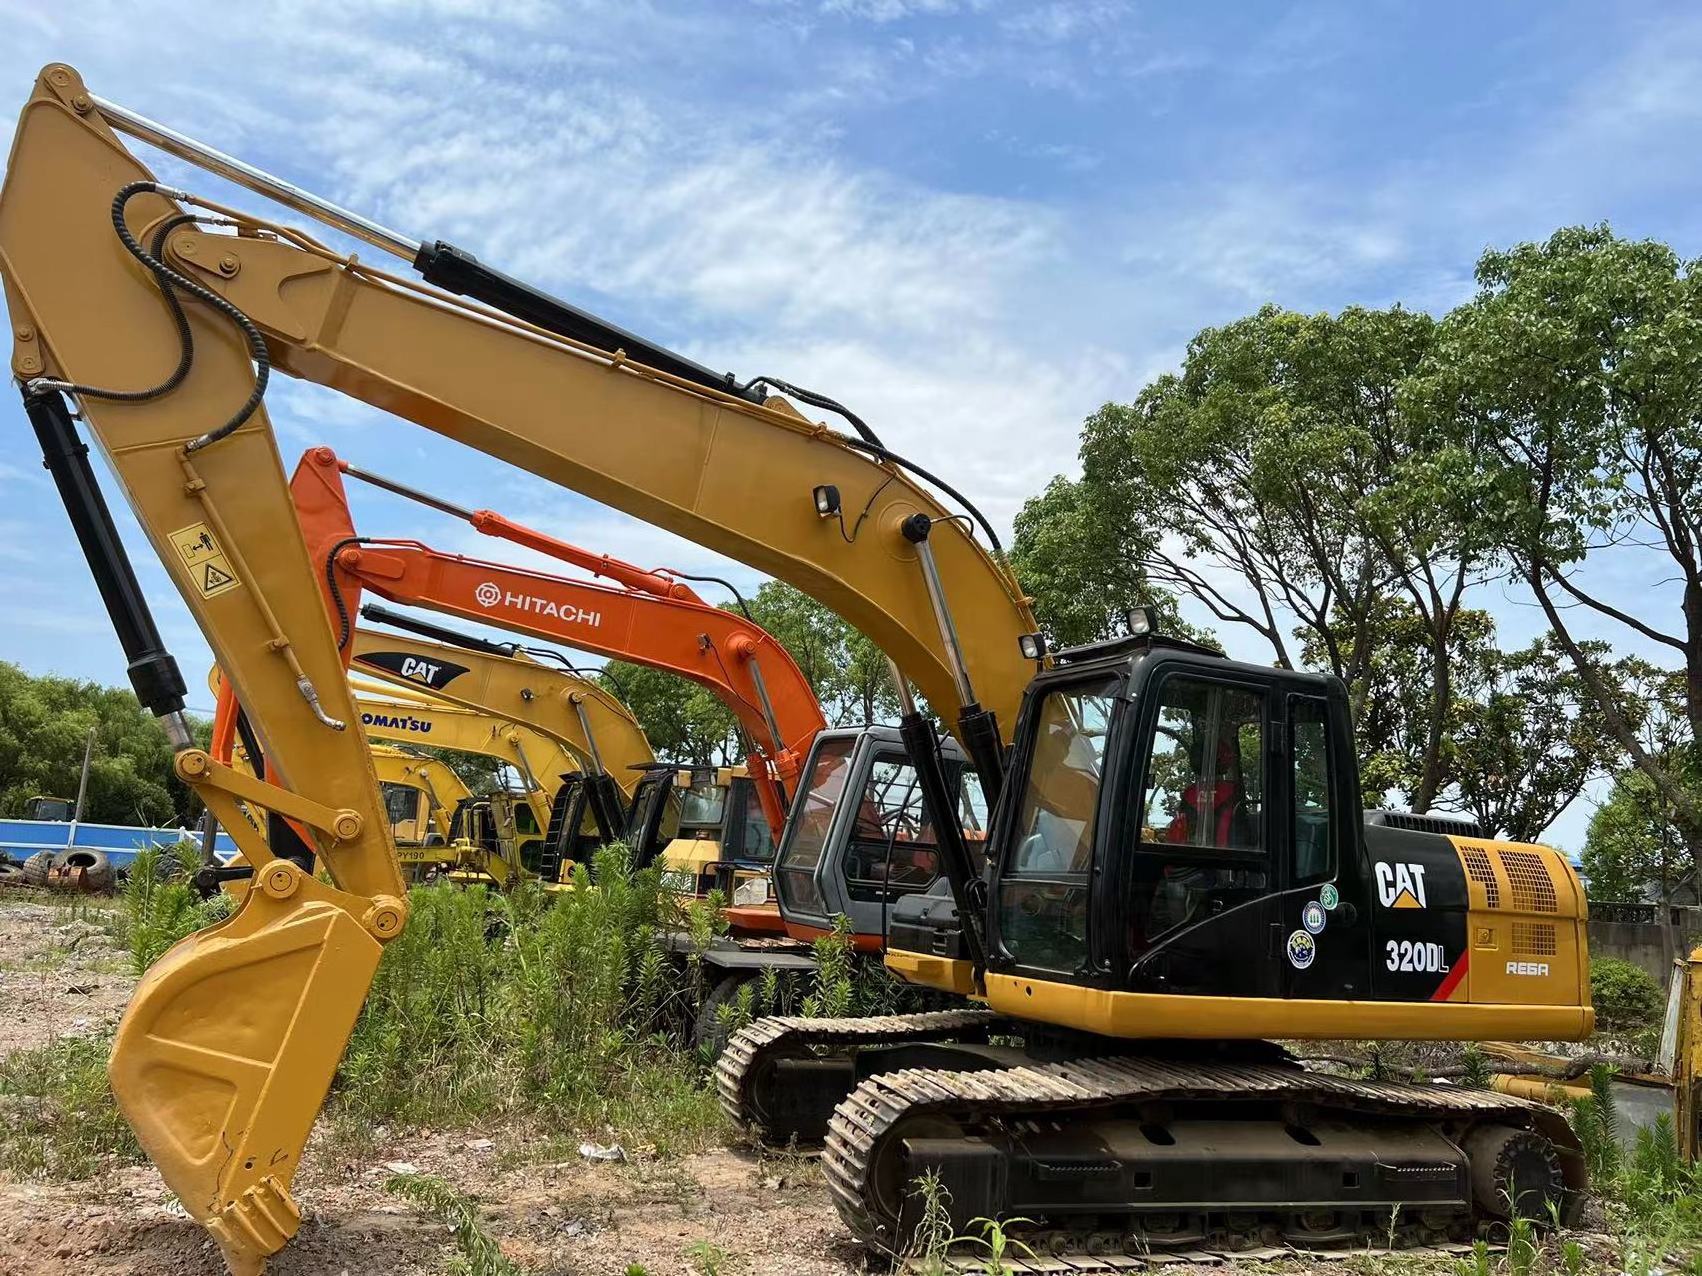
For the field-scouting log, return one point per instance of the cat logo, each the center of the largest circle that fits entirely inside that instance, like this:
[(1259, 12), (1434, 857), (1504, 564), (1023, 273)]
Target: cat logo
[(1400, 885), (422, 670), (436, 674)]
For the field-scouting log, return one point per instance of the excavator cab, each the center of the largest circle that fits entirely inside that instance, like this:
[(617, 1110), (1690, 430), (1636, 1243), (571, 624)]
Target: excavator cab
[(860, 837), (706, 826), (409, 811), (53, 809), (1188, 858)]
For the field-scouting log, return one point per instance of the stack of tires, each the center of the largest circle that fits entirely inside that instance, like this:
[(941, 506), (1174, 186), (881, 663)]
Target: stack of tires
[(71, 870)]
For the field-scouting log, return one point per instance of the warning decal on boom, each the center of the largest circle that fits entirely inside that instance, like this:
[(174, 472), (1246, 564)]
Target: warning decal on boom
[(209, 569)]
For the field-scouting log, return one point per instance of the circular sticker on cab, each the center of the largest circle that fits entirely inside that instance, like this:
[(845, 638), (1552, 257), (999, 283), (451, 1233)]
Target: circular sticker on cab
[(1329, 896), (1312, 917), (1302, 949)]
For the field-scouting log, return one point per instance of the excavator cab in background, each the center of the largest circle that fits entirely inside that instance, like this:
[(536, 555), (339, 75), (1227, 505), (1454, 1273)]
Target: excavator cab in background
[(861, 837), (420, 795), (55, 810)]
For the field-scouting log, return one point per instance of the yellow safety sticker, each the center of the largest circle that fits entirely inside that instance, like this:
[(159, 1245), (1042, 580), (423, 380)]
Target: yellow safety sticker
[(209, 569)]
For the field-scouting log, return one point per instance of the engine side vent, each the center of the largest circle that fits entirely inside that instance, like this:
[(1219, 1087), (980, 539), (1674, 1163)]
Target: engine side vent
[(1535, 939), (1483, 872), (1446, 825), (1533, 888)]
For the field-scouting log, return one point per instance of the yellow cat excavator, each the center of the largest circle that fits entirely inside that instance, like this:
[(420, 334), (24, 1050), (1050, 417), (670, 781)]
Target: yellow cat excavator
[(589, 797), (1176, 868)]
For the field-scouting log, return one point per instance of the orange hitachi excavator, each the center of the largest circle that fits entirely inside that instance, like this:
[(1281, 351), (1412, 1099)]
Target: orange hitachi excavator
[(650, 618), (1110, 1078)]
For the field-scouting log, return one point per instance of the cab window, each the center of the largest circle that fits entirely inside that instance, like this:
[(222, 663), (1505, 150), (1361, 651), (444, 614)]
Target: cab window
[(751, 838), (703, 805), (1202, 818), (402, 809), (1313, 861), (893, 849), (825, 776), (1043, 897)]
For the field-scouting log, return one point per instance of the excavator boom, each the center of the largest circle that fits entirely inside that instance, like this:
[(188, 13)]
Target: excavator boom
[(646, 623), (164, 329)]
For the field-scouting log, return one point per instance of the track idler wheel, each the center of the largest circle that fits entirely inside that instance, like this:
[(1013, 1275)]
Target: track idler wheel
[(1515, 1174)]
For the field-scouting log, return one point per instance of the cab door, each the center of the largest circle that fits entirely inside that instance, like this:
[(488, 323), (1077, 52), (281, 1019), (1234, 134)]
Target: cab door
[(1321, 918), (1201, 884)]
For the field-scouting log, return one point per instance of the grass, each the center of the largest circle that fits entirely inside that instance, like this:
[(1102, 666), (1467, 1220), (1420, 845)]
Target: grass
[(480, 1255), (551, 1004), (58, 1118), (160, 907)]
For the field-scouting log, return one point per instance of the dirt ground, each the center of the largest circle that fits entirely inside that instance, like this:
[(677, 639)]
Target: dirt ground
[(60, 974), (727, 1212)]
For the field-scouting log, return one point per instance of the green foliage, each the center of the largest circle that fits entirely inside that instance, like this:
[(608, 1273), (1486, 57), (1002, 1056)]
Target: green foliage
[(544, 1002), (996, 1240), (480, 1255), (44, 727), (1626, 997), (1634, 846), (1478, 1264), (1477, 1069), (160, 907), (1525, 738), (1082, 573), (832, 996), (1522, 1247), (1595, 1119), (1570, 378), (58, 1118), (932, 1237), (706, 1257)]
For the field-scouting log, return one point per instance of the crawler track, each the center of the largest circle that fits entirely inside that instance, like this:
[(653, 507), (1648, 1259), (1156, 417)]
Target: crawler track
[(740, 1070), (865, 1131)]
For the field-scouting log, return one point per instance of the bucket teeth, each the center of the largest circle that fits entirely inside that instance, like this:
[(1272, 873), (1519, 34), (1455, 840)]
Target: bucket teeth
[(258, 1223)]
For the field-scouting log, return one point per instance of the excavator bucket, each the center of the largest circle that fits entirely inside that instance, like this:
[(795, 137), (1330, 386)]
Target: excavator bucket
[(228, 1048)]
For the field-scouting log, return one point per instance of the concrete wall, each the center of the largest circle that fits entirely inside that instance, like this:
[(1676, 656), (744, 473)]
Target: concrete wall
[(1640, 943)]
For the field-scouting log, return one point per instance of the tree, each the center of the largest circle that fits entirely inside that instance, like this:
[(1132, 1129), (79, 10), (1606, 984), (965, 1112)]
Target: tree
[(1393, 728), (1275, 480), (684, 722), (1080, 559), (848, 671), (44, 727), (1634, 848), (1526, 740), (1573, 377)]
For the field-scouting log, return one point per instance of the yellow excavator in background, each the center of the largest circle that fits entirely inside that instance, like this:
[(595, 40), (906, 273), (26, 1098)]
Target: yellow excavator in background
[(589, 798), (421, 794), (1177, 868)]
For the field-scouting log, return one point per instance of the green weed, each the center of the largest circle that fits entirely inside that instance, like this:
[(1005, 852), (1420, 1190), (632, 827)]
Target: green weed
[(58, 1118), (932, 1239), (160, 907), (550, 1003), (707, 1257), (480, 1255)]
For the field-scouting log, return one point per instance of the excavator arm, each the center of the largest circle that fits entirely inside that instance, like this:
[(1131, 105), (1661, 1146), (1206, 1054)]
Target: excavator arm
[(565, 709), (164, 329), (733, 657), (540, 760)]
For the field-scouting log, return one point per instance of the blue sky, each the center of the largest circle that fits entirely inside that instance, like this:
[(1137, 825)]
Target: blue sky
[(974, 221)]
